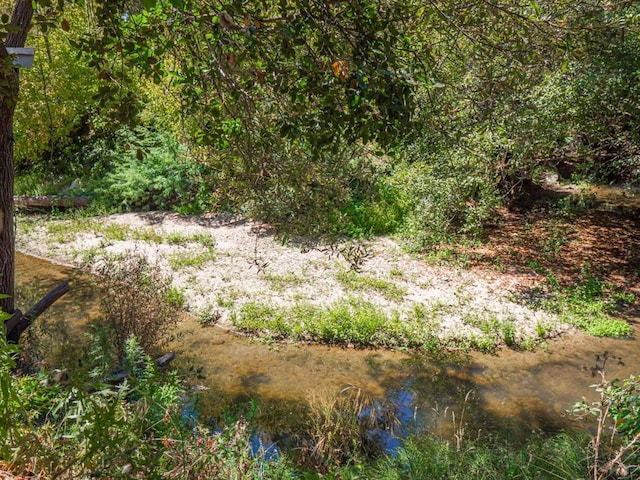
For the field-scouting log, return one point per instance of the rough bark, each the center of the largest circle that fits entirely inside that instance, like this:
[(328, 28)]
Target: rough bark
[(7, 235), (20, 24)]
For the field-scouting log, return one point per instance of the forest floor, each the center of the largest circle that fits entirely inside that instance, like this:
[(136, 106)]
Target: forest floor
[(221, 263)]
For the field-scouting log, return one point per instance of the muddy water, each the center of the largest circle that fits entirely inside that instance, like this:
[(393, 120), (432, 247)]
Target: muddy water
[(525, 390)]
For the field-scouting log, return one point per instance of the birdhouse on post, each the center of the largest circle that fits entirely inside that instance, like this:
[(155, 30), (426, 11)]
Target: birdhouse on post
[(23, 57)]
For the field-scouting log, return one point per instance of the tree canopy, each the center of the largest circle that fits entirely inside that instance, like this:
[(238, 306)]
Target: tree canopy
[(336, 114)]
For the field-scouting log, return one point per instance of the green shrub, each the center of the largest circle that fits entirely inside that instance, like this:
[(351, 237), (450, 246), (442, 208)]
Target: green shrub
[(147, 170), (374, 211), (443, 196), (614, 448), (86, 426)]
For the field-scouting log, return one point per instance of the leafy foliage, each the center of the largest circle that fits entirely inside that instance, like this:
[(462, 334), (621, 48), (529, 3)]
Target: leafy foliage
[(443, 196), (83, 425), (146, 171), (617, 409)]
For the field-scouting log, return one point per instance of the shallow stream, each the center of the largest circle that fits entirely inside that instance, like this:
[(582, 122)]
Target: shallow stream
[(520, 391)]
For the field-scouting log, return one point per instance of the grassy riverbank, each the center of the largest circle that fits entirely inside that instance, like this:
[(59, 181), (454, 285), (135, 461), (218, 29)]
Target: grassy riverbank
[(64, 429), (237, 274), (81, 424)]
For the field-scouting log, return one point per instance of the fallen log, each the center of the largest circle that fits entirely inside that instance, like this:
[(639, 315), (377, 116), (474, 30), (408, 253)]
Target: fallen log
[(165, 359), (18, 323), (51, 201)]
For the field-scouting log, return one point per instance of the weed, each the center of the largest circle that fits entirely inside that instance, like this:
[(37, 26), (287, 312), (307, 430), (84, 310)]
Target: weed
[(280, 283), (227, 297), (87, 256), (616, 454), (176, 297), (204, 239), (114, 231), (608, 327), (134, 300), (570, 206), (176, 238), (536, 266), (541, 330), (396, 273), (588, 305), (482, 343), (508, 329), (345, 427), (180, 260), (61, 232), (349, 321), (439, 256), (354, 281), (529, 344), (208, 316), (556, 239), (148, 235)]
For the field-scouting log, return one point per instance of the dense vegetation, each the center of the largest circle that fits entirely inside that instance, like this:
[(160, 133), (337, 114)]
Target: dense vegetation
[(327, 119), (99, 423), (366, 118)]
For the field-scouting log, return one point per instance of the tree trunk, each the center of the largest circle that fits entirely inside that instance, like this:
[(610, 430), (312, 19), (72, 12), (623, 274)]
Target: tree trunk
[(7, 234), (19, 27)]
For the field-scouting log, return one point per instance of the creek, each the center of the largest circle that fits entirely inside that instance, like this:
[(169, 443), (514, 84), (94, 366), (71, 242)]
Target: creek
[(521, 391)]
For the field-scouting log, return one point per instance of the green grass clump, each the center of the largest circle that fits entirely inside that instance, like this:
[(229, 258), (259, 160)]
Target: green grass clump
[(280, 283), (351, 321), (148, 235), (351, 280), (589, 305), (177, 238), (429, 457), (67, 227), (181, 260), (176, 297)]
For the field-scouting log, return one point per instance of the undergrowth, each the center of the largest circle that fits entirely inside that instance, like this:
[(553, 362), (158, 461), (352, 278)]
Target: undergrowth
[(125, 419), (589, 305), (356, 322)]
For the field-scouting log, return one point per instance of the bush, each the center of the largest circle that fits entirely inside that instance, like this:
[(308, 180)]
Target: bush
[(443, 197), (135, 300), (615, 447), (148, 170), (86, 427)]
